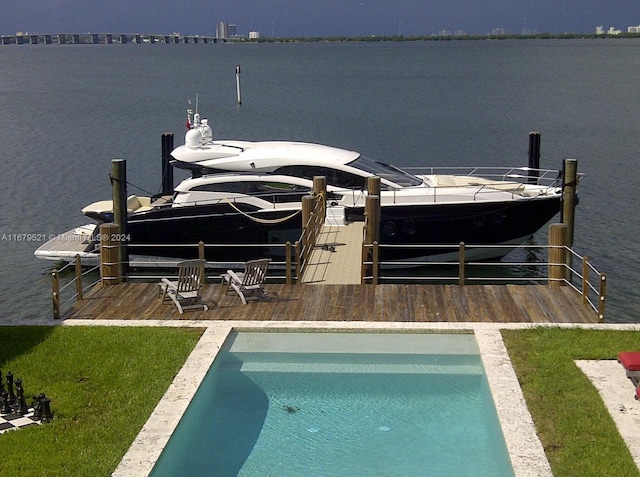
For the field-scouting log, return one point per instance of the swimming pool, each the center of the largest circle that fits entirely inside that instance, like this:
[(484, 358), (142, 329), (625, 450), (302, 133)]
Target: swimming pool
[(290, 404)]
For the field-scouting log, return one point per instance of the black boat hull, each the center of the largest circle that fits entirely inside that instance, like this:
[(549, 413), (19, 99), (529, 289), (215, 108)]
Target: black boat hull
[(230, 235)]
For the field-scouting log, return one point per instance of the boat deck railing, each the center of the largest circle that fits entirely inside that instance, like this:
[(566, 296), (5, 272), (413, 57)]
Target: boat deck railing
[(276, 199), (546, 177)]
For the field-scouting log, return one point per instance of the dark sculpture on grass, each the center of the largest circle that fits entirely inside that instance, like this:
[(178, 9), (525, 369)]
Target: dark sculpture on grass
[(12, 400)]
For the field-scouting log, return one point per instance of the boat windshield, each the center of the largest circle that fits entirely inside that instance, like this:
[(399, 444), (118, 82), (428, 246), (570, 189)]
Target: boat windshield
[(363, 168), (386, 171)]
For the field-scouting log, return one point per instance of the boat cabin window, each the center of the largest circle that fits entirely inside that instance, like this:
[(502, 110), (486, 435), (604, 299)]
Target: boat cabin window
[(341, 179), (285, 192)]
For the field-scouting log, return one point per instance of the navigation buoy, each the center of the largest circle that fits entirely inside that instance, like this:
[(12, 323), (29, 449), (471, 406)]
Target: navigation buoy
[(238, 85)]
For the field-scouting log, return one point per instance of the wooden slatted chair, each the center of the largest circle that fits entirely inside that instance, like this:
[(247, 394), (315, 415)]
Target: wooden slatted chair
[(185, 292), (249, 284)]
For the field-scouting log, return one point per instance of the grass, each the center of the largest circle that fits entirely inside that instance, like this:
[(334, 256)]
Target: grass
[(103, 384), (576, 430)]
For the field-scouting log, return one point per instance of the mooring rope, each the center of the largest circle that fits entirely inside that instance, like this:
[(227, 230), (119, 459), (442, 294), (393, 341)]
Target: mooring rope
[(115, 179), (263, 221)]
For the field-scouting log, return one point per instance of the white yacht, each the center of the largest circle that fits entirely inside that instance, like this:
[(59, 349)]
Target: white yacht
[(249, 194)]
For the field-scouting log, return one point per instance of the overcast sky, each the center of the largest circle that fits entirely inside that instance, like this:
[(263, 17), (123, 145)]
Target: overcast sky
[(287, 18)]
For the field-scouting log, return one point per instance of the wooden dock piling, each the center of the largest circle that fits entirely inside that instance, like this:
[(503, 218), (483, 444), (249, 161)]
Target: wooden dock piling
[(534, 156), (77, 263), (119, 191), (557, 254), (569, 197), (167, 168), (110, 253), (55, 294), (320, 189)]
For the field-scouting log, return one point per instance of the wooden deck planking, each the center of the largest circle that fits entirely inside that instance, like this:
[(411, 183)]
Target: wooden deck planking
[(436, 306), (525, 303), (388, 303), (500, 299), (420, 306), (339, 262), (577, 305), (478, 302), (549, 301)]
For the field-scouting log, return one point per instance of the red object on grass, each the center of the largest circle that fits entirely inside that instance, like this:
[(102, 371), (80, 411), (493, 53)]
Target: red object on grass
[(630, 360)]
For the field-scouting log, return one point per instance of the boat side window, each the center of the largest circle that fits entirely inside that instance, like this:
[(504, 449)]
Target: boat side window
[(334, 177), (283, 192), (286, 192), (230, 187)]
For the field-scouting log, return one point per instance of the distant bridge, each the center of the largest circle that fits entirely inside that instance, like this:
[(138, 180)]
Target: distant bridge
[(107, 38)]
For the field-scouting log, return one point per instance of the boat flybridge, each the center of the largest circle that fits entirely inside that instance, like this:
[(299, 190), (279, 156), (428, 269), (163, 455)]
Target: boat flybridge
[(249, 194)]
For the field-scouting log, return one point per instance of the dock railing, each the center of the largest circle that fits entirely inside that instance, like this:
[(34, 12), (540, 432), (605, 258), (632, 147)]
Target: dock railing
[(313, 217), (65, 292), (563, 266), (280, 270), (571, 269)]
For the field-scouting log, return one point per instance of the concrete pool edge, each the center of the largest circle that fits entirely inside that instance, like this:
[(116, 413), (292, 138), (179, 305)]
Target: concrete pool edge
[(525, 450), (154, 435)]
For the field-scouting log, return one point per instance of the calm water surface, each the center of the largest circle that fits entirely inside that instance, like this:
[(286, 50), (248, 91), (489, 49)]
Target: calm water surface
[(69, 109)]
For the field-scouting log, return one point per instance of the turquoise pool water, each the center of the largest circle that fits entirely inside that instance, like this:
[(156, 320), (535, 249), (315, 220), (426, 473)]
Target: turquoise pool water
[(341, 404)]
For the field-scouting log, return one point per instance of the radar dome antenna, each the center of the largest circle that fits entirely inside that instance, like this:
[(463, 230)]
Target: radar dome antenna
[(193, 138)]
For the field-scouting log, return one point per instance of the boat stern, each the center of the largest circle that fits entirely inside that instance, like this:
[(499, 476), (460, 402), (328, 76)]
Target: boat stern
[(66, 246)]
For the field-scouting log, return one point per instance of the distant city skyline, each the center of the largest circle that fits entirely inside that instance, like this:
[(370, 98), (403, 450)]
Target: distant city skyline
[(308, 18)]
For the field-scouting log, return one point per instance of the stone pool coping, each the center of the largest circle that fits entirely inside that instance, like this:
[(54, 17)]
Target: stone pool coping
[(618, 393), (525, 449)]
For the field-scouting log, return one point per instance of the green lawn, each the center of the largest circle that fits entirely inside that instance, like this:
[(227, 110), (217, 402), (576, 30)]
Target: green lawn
[(103, 383), (577, 432)]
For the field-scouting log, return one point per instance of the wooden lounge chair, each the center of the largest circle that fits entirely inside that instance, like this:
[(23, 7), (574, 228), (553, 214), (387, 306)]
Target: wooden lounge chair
[(185, 292), (249, 284)]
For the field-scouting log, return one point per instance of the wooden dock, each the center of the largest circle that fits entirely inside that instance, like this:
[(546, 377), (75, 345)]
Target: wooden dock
[(380, 303), (337, 257)]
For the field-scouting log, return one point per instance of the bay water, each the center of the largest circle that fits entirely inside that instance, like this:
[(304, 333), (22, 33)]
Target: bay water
[(68, 110)]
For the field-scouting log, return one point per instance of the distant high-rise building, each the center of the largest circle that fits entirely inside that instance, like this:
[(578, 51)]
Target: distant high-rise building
[(222, 30), (226, 30), (254, 35)]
